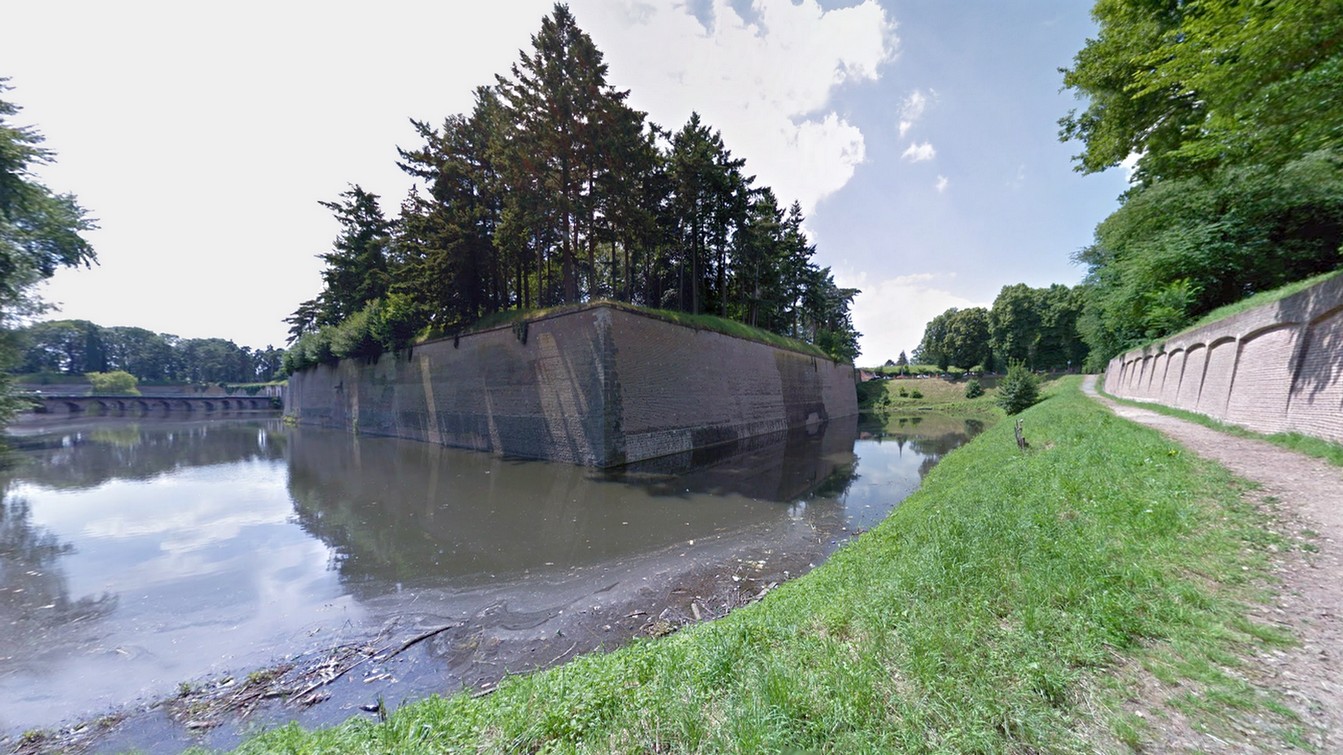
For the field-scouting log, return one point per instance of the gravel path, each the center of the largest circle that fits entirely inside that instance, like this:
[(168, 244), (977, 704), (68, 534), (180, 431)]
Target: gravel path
[(1305, 496)]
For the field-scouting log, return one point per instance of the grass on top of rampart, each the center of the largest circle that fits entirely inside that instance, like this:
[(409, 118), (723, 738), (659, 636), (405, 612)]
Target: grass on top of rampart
[(1010, 605), (1244, 305), (713, 323)]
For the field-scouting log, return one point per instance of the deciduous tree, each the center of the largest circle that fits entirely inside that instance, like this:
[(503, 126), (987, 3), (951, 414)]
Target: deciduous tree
[(40, 231)]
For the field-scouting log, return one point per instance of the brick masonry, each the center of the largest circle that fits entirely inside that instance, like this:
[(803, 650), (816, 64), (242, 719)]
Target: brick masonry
[(601, 386), (1275, 368)]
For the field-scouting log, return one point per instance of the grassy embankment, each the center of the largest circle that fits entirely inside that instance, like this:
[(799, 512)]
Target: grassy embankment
[(698, 322), (1008, 605), (907, 397), (1257, 300)]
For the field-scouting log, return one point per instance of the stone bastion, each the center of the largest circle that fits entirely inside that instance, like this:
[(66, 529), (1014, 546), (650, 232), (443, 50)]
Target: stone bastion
[(600, 386)]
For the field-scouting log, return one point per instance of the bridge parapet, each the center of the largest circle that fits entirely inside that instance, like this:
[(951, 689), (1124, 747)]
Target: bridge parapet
[(85, 405)]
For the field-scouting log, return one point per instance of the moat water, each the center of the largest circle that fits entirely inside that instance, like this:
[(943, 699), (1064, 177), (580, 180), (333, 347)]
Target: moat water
[(138, 556)]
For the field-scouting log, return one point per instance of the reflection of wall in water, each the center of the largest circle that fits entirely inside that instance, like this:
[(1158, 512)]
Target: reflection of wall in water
[(782, 466), (140, 451), (398, 510)]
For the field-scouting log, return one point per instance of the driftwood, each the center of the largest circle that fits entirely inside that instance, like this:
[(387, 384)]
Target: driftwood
[(1021, 437)]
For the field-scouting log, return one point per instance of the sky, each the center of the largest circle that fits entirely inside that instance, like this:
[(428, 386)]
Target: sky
[(919, 136)]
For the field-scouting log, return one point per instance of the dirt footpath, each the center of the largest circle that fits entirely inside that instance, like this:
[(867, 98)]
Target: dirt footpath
[(1305, 497)]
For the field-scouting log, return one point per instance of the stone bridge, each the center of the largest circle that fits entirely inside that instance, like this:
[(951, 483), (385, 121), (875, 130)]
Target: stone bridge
[(57, 405)]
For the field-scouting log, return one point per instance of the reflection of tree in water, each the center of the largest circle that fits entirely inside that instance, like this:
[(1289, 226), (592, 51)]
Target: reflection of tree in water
[(838, 483), (932, 446), (138, 451), (35, 605)]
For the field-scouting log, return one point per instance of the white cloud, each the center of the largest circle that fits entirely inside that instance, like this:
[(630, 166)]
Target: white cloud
[(918, 153), (913, 107), (766, 77), (766, 82), (942, 183), (891, 313)]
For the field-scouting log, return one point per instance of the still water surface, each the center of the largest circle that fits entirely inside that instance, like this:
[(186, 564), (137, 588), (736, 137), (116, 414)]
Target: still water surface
[(138, 555)]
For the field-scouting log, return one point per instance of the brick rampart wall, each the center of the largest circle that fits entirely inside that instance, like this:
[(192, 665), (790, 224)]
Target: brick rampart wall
[(1275, 368), (601, 386)]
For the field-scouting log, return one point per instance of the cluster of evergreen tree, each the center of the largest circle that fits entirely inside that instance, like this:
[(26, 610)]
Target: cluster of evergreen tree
[(553, 190), (76, 347), (1232, 111), (1036, 327)]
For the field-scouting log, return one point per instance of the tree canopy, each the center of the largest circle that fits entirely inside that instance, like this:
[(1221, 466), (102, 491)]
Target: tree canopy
[(1036, 327), (1231, 112), (40, 230), (552, 190), (77, 347), (1192, 86)]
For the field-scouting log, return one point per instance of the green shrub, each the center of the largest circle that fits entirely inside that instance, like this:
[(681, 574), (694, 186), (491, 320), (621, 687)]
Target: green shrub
[(117, 382), (973, 389), (1019, 389), (916, 393), (872, 395), (903, 393), (397, 321), (354, 337)]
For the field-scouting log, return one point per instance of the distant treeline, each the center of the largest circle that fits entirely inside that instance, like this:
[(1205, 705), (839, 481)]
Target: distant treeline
[(1034, 326), (76, 347), (552, 190)]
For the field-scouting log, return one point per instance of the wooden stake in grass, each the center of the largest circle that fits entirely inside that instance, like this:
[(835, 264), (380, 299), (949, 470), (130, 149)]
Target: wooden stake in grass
[(1021, 437)]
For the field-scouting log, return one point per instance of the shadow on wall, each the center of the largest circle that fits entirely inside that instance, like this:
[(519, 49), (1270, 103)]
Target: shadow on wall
[(1321, 363)]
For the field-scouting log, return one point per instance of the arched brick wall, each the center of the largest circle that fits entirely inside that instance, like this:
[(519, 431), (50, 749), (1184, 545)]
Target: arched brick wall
[(1153, 386), (1263, 379), (1274, 368), (1316, 402), (1195, 360), (1217, 379), (1174, 373)]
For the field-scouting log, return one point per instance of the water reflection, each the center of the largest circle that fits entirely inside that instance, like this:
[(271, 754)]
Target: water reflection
[(137, 555), (87, 455), (416, 513), (35, 599), (779, 467)]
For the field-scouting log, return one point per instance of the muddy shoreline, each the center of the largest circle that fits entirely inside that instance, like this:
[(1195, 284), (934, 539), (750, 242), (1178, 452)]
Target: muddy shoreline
[(435, 642)]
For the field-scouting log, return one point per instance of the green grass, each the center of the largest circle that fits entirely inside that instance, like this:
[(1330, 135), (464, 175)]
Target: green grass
[(1007, 606), (884, 397), (1302, 444), (698, 322)]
